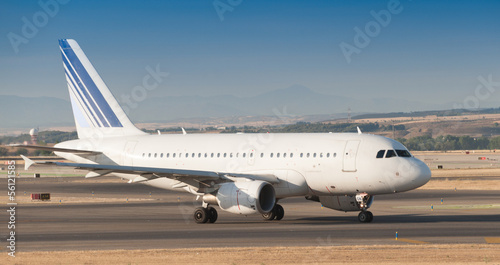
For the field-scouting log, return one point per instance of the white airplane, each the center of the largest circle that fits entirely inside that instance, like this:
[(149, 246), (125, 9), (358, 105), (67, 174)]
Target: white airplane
[(241, 173)]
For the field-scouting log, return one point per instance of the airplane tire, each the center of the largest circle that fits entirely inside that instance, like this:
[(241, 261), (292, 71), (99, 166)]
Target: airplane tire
[(370, 216), (201, 215), (212, 213), (270, 215), (365, 217), (279, 211)]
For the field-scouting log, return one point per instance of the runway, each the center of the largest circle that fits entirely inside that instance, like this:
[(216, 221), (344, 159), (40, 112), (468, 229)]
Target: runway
[(105, 220)]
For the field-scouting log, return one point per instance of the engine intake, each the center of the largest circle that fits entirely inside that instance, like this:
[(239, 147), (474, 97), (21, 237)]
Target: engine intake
[(247, 197)]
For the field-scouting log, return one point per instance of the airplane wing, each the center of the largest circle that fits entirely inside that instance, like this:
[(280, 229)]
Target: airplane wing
[(56, 149), (147, 173)]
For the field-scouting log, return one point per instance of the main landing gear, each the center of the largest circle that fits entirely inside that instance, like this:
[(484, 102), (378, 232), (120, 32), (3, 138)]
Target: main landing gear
[(203, 215), (276, 213)]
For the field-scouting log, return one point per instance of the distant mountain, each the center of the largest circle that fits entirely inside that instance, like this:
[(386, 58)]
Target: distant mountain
[(24, 112), (295, 100)]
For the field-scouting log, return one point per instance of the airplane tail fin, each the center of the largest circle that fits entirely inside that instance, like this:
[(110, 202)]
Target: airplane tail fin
[(95, 109)]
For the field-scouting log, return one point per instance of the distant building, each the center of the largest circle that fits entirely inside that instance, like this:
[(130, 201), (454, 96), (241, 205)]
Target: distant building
[(34, 136)]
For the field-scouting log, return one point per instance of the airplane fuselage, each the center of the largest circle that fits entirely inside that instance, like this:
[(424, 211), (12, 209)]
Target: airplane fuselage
[(306, 164)]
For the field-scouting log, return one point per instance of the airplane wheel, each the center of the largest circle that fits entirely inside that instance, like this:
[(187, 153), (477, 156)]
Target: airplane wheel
[(201, 215), (212, 213), (279, 211), (270, 215), (370, 216), (365, 217)]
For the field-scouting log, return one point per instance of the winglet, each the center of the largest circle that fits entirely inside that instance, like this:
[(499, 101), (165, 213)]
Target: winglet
[(27, 162), (359, 130)]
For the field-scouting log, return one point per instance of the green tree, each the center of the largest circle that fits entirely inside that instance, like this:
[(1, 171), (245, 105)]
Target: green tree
[(495, 143), (22, 151), (3, 151)]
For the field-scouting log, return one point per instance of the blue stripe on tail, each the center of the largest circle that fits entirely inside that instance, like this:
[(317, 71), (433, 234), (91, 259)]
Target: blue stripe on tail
[(103, 111)]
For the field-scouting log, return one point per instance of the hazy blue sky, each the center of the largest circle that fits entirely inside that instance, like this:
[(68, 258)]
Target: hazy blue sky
[(431, 51)]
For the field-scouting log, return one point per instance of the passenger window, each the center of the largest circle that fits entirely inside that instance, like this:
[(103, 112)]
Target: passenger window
[(218, 155), (225, 154), (244, 154), (271, 155), (161, 155), (251, 154), (314, 155), (212, 155), (192, 155), (334, 155), (321, 155), (327, 155), (380, 154), (187, 155), (231, 155), (261, 154), (143, 154), (206, 155), (403, 153), (149, 155), (390, 153), (301, 154), (173, 155), (168, 155), (199, 155), (278, 155), (291, 155), (307, 155), (284, 155)]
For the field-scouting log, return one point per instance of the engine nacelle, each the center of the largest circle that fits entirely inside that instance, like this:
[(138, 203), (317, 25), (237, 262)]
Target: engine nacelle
[(246, 197), (343, 203)]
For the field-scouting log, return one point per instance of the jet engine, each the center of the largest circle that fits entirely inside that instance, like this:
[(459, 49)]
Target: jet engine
[(247, 197)]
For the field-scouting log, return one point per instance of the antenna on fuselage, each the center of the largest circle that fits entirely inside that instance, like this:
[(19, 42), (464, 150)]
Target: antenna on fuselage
[(359, 130), (183, 131)]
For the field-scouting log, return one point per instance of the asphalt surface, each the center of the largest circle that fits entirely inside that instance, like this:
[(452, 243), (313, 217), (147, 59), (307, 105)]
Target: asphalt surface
[(106, 220)]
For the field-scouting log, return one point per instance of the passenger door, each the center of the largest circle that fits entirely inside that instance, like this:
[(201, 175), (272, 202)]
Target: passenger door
[(350, 153)]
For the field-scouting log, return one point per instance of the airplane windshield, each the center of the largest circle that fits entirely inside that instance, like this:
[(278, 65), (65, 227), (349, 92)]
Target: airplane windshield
[(403, 153), (390, 153), (393, 153)]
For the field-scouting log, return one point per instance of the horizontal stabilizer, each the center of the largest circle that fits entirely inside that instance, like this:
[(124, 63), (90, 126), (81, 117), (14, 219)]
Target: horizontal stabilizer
[(56, 149)]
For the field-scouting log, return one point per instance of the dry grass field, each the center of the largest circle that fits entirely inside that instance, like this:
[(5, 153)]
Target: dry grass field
[(383, 254)]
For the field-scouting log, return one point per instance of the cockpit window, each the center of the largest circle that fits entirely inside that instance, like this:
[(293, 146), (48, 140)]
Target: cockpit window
[(403, 153), (380, 154), (390, 153)]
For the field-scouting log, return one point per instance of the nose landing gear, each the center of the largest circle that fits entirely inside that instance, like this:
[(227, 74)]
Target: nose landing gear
[(365, 216), (364, 201)]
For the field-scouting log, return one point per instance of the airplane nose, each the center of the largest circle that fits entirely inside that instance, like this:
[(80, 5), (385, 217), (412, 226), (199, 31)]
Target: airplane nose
[(421, 173)]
